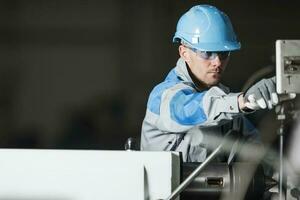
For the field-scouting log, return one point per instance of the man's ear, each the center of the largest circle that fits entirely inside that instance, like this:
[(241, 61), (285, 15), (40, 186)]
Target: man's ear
[(184, 53)]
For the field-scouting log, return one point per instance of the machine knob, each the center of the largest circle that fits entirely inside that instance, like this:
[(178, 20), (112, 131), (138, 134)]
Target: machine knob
[(131, 144)]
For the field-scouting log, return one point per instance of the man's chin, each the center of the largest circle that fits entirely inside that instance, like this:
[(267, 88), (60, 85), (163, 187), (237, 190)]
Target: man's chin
[(214, 82)]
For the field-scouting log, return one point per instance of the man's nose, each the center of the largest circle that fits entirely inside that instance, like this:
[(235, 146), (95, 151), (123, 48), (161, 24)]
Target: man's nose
[(216, 61)]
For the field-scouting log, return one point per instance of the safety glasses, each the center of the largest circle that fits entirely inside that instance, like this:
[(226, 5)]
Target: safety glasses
[(210, 55)]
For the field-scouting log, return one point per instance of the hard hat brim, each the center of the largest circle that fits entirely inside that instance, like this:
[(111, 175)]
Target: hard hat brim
[(209, 46), (224, 46)]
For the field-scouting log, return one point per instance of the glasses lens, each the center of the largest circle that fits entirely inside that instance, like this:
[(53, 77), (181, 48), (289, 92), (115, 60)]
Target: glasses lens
[(212, 55), (205, 54), (223, 54)]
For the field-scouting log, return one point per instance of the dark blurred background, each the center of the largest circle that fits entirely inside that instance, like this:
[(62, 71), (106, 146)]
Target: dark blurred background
[(76, 74)]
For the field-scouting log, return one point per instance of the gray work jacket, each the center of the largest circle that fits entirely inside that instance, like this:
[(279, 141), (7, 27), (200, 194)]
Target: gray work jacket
[(181, 118)]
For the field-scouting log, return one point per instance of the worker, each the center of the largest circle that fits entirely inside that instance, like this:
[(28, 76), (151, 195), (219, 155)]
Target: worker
[(191, 105)]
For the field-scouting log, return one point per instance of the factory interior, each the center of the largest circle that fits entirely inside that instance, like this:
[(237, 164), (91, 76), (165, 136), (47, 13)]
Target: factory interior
[(75, 77)]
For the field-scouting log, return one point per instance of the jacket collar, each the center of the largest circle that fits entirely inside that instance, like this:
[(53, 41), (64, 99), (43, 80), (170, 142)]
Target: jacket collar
[(182, 72)]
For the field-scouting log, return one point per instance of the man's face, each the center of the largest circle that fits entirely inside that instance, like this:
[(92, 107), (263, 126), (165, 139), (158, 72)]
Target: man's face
[(207, 71)]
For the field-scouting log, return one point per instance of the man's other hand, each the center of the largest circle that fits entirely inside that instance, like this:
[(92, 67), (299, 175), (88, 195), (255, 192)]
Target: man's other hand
[(262, 95)]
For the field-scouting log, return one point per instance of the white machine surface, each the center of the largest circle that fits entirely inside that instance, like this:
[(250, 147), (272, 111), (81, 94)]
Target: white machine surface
[(288, 66), (87, 174)]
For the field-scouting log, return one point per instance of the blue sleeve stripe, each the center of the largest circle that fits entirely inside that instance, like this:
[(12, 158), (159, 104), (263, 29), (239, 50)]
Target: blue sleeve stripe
[(154, 100), (186, 107)]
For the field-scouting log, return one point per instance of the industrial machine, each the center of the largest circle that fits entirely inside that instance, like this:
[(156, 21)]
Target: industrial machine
[(288, 66), (223, 181)]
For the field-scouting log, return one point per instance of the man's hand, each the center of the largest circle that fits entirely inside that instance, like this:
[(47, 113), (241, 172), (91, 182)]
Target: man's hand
[(262, 95)]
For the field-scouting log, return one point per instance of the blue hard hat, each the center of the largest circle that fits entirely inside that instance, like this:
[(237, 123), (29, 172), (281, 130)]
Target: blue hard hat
[(206, 28)]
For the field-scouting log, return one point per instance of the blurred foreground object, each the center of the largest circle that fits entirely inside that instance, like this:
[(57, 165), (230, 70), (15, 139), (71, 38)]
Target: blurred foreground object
[(87, 174), (135, 175)]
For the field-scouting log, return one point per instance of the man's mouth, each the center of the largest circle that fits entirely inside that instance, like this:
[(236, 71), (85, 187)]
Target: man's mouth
[(215, 72)]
